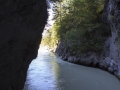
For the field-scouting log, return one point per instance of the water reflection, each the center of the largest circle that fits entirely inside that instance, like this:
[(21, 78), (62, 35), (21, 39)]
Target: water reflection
[(49, 72), (43, 73)]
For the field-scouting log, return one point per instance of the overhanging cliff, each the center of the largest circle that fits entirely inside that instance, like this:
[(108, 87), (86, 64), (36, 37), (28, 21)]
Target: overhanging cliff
[(21, 26)]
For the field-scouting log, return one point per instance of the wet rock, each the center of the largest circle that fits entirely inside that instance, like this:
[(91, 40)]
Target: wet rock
[(71, 58)]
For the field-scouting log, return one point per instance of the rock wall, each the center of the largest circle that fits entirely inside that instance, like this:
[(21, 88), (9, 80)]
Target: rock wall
[(109, 58), (21, 26), (112, 17)]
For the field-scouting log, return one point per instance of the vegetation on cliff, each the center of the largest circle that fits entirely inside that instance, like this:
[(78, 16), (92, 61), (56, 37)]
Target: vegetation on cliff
[(78, 24)]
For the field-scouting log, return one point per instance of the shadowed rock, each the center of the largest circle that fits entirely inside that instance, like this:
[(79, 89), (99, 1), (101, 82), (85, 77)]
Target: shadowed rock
[(21, 26)]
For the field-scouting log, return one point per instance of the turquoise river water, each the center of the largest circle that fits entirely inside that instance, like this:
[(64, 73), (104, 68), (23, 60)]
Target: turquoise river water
[(49, 72)]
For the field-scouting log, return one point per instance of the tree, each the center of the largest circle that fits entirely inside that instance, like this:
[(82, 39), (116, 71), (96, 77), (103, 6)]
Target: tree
[(77, 22)]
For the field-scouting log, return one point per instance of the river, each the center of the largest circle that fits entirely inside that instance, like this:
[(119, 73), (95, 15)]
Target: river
[(49, 72)]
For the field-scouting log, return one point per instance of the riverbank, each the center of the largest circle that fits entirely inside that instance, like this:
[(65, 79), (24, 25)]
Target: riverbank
[(91, 59), (98, 47)]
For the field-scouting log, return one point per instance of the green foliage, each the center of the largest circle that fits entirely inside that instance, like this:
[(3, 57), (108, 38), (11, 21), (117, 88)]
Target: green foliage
[(77, 22), (51, 38)]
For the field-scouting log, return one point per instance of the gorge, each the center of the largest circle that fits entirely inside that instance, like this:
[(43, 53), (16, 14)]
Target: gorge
[(109, 58), (98, 47), (21, 26)]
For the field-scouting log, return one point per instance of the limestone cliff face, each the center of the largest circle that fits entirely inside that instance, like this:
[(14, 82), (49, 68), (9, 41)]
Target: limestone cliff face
[(21, 26), (112, 17), (109, 58)]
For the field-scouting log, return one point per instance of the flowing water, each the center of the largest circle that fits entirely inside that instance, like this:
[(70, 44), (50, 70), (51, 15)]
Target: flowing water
[(49, 72)]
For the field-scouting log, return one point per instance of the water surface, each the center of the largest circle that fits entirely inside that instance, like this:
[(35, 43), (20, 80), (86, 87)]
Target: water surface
[(49, 72)]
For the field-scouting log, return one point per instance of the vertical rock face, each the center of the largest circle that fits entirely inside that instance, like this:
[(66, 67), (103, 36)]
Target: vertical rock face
[(21, 26), (112, 17)]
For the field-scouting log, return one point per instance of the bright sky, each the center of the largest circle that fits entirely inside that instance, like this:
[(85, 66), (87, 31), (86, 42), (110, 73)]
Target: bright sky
[(50, 21)]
